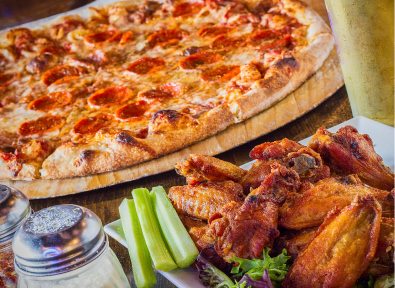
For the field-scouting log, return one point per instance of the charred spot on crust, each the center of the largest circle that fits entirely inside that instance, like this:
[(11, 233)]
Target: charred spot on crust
[(125, 138), (288, 64), (171, 116), (84, 156)]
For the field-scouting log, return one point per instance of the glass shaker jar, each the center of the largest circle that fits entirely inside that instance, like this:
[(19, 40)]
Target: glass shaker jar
[(65, 246), (14, 209)]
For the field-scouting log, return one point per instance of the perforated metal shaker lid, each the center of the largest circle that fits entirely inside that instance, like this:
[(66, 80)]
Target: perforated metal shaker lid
[(57, 240), (14, 207)]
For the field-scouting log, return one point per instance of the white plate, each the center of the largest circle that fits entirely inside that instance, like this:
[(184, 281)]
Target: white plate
[(383, 140)]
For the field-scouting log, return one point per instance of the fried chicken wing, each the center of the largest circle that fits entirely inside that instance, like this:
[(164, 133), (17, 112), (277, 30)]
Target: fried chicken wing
[(348, 152), (305, 162), (294, 242), (310, 208), (199, 168), (383, 260), (204, 199), (275, 150), (278, 183), (342, 248), (197, 229), (245, 230)]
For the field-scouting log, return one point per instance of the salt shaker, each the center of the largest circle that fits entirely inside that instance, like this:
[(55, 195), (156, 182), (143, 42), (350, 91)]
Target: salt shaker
[(65, 246), (14, 209)]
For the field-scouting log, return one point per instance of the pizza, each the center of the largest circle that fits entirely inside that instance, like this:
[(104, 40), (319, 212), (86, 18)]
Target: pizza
[(134, 81)]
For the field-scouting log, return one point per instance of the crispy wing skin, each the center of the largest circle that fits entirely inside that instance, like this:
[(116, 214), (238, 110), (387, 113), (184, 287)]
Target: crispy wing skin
[(244, 230), (199, 168), (275, 150), (342, 248), (305, 162), (383, 260), (310, 208), (278, 183), (203, 200), (197, 230), (348, 152), (295, 242), (256, 175)]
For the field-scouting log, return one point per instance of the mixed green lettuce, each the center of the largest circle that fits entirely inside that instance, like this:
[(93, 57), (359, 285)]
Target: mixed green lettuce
[(266, 272)]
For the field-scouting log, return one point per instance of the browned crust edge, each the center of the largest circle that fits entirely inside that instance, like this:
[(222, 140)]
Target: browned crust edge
[(287, 74), (124, 150)]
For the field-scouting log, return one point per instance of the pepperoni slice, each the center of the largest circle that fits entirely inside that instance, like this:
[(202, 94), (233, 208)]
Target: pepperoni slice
[(52, 50), (214, 31), (198, 59), (7, 157), (222, 73), (226, 42), (259, 37), (51, 101), (172, 88), (102, 38), (187, 9), (60, 72), (41, 125), (165, 37), (92, 124), (167, 90), (285, 42), (109, 96), (7, 79), (132, 112), (145, 65)]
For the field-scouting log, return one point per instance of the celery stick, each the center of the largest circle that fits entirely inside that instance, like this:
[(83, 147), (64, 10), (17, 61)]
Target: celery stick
[(159, 254), (181, 246), (144, 276)]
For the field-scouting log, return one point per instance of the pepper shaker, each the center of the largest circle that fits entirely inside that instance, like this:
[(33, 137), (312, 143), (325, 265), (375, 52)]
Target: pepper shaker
[(65, 246), (14, 209)]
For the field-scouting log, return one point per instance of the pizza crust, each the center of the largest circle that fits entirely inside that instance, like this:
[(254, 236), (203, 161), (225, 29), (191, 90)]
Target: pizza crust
[(287, 74), (123, 150)]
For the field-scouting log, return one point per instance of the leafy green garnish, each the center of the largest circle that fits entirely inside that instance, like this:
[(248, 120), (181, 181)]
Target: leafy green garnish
[(277, 267)]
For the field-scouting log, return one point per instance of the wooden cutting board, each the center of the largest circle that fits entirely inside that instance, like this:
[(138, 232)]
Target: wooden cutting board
[(324, 83)]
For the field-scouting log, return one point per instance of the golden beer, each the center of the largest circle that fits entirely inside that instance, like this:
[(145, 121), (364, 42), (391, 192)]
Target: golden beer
[(364, 35)]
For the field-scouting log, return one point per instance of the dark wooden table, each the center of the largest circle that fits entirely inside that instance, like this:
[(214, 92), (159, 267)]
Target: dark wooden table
[(104, 202)]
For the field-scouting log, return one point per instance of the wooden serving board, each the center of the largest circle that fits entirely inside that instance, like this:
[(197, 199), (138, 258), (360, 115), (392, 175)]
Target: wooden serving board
[(324, 83)]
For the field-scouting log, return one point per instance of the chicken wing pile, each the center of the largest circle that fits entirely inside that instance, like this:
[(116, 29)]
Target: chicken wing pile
[(330, 204)]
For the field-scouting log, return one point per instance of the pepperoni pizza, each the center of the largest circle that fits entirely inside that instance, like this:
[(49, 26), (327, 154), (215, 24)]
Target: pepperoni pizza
[(138, 80)]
